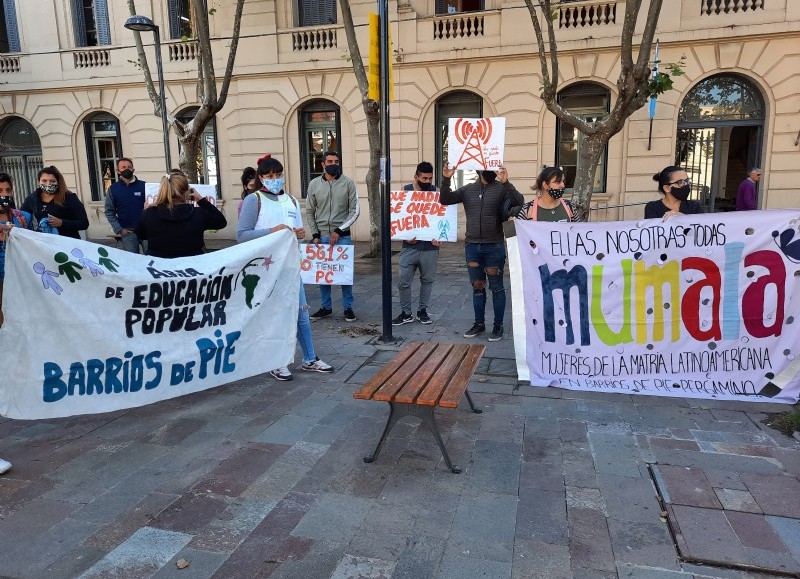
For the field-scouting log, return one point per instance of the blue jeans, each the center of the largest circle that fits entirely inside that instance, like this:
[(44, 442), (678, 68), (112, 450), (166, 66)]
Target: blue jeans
[(480, 258), (131, 243), (347, 290), (304, 329)]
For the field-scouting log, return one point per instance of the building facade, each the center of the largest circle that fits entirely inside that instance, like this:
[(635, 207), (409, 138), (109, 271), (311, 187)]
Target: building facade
[(74, 97)]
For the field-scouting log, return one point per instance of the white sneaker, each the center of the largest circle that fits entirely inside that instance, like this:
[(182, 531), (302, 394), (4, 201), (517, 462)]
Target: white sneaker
[(5, 466), (281, 374), (317, 366)]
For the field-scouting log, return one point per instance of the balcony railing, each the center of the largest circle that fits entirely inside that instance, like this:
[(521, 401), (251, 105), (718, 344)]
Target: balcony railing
[(182, 51), (712, 7), (585, 14), (91, 58), (458, 26), (314, 39), (9, 64)]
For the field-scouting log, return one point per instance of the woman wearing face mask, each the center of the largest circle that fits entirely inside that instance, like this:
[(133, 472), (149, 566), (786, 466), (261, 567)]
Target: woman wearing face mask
[(249, 180), (54, 208), (173, 226), (675, 186), (9, 218), (550, 204), (267, 211)]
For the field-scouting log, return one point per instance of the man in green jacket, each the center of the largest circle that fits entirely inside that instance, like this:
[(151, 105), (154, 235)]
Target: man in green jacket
[(331, 210)]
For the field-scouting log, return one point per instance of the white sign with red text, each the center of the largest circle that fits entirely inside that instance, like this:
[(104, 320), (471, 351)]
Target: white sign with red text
[(207, 191), (477, 144), (326, 264), (419, 215)]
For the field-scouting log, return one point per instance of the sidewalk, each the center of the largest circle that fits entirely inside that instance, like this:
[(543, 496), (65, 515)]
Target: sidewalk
[(265, 479)]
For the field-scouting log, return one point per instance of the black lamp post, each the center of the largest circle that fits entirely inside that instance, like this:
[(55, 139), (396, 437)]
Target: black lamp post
[(144, 24)]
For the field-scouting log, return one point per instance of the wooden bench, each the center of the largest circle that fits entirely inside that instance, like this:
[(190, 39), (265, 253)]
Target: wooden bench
[(420, 377)]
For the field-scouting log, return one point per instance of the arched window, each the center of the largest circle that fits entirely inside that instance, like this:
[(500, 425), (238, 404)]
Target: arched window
[(320, 128), (589, 101), (720, 137), (20, 155), (207, 169), (454, 105), (103, 149)]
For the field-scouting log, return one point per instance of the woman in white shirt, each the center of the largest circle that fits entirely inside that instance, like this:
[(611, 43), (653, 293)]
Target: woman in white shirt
[(266, 211)]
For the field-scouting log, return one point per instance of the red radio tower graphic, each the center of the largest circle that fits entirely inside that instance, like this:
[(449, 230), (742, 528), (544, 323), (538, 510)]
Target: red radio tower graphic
[(474, 136)]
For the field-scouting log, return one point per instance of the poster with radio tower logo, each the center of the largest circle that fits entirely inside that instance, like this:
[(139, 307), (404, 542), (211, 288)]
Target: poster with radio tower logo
[(476, 144)]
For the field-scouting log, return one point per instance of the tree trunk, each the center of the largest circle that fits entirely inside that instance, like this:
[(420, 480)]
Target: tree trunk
[(189, 152), (374, 175), (590, 152)]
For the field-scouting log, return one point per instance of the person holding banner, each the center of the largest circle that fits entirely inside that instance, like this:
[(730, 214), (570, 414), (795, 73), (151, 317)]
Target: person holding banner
[(485, 245), (124, 205), (417, 254), (268, 210), (9, 218), (331, 209), (675, 185), (550, 207), (173, 226), (54, 208)]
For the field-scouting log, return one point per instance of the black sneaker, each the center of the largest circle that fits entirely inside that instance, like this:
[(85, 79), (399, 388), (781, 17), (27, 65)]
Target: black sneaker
[(403, 318), (475, 330), (497, 334), (423, 317), (349, 316), (321, 313)]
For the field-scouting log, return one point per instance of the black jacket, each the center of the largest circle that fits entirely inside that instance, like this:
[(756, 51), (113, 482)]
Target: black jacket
[(178, 233), (483, 206), (72, 213)]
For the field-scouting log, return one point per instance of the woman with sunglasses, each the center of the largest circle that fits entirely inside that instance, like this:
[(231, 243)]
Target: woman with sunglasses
[(674, 184)]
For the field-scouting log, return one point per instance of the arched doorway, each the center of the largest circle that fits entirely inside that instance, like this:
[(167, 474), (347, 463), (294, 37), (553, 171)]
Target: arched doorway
[(20, 155), (320, 127), (720, 136), (454, 105)]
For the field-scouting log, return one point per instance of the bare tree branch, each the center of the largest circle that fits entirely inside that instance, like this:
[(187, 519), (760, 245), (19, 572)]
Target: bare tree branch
[(142, 56), (226, 81), (205, 55)]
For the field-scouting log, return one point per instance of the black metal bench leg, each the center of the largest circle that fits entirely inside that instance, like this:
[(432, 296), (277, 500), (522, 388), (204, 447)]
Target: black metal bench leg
[(394, 416), (471, 404), (427, 416)]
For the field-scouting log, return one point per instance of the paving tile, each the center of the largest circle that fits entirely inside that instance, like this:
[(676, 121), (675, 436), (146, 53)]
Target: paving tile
[(735, 500), (143, 554), (789, 532), (455, 567), (287, 430), (542, 517), (495, 467), (705, 534), (128, 522), (686, 486), (766, 559), (724, 479), (673, 443), (754, 531), (202, 564), (363, 567), (643, 544), (776, 495), (615, 454), (629, 499), (333, 518), (190, 513), (585, 498), (420, 557), (628, 571), (241, 469), (484, 526), (540, 476), (537, 560), (589, 541)]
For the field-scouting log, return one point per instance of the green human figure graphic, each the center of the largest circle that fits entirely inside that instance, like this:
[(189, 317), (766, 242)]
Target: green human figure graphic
[(67, 267), (106, 261)]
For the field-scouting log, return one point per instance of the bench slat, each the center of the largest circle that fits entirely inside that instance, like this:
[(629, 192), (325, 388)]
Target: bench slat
[(458, 384), (444, 375), (424, 374), (367, 391), (392, 385)]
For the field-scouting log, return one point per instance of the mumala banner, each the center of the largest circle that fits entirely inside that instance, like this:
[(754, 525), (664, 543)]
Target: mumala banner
[(94, 329), (699, 306)]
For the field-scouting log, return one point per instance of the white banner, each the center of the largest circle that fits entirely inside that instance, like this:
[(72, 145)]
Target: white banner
[(476, 143), (698, 306), (207, 191), (326, 264), (418, 214), (95, 329)]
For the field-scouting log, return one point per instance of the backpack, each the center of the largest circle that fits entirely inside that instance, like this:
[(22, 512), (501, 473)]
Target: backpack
[(535, 208)]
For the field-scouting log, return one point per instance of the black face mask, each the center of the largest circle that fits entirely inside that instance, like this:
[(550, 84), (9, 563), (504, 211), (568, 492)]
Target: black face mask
[(681, 193), (6, 203), (333, 170), (426, 186), (488, 176), (127, 173), (556, 193)]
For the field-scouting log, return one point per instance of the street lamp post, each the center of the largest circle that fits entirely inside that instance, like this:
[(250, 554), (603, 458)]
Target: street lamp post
[(144, 24)]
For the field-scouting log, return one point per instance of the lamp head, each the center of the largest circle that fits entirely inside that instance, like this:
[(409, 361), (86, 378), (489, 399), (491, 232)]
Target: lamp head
[(140, 24)]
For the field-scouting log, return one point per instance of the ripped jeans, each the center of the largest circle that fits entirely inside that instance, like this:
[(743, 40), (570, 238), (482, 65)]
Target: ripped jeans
[(304, 329), (487, 260)]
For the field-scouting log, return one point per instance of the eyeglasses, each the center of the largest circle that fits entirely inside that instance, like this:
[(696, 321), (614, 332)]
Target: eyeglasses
[(681, 182)]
